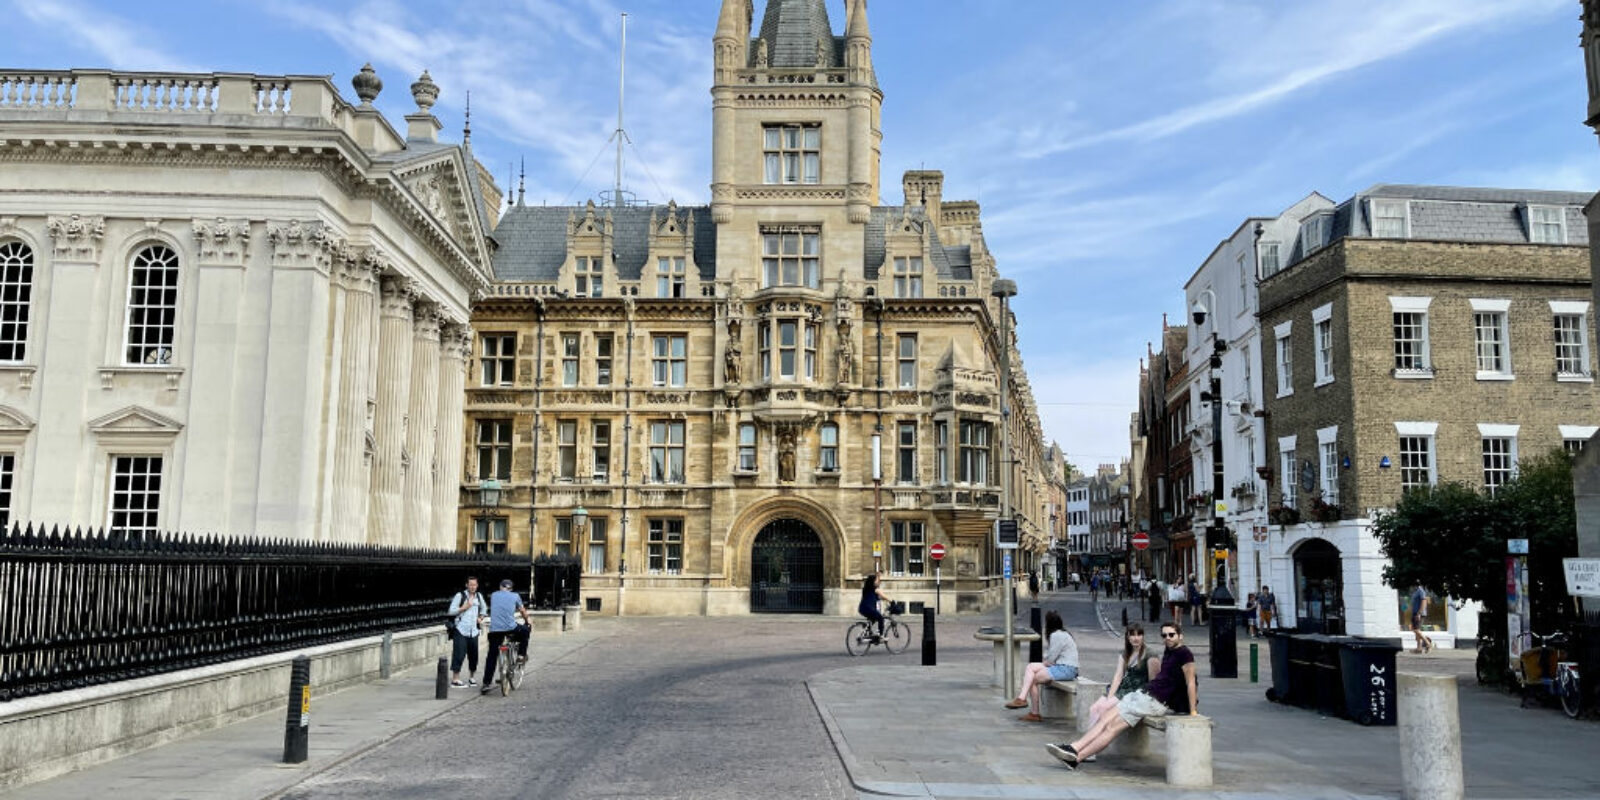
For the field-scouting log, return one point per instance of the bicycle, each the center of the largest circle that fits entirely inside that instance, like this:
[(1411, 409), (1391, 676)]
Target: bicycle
[(1543, 670), (860, 637), (512, 668)]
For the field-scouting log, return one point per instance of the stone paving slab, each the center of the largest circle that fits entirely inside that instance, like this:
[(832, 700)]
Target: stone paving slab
[(242, 761)]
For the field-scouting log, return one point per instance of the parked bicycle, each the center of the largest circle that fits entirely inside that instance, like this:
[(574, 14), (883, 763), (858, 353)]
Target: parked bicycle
[(1543, 671), (862, 634)]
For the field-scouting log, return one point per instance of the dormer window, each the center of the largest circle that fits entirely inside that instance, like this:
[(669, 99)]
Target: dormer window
[(590, 273), (793, 153), (1390, 219), (907, 277), (1547, 225), (669, 277), (792, 256), (1314, 234)]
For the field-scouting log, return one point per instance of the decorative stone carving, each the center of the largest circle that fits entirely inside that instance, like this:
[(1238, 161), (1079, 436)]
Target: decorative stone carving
[(786, 445), (222, 241), (427, 319), (430, 191), (367, 85), (425, 92), (398, 296), (847, 350), (731, 357), (761, 54), (296, 243), (8, 225), (77, 238)]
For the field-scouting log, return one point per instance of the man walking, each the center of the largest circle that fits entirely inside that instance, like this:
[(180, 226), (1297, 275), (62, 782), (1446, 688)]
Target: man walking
[(1268, 606), (465, 608), (1419, 610), (505, 609)]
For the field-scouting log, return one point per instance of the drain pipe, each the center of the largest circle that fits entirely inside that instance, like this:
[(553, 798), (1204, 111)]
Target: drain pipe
[(627, 462)]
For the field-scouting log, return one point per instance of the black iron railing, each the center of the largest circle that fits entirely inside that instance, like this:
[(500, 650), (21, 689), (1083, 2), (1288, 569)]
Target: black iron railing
[(556, 581), (79, 608)]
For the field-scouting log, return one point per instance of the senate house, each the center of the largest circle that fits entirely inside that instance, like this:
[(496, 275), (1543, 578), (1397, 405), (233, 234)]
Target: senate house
[(748, 406)]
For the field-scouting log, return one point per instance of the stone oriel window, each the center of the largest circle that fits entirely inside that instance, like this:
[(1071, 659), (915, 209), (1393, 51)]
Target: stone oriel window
[(941, 452), (16, 294), (791, 153), (152, 321), (135, 501), (497, 359), (974, 467)]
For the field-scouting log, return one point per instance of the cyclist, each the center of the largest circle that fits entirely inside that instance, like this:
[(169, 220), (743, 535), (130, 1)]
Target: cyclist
[(505, 609), (871, 593)]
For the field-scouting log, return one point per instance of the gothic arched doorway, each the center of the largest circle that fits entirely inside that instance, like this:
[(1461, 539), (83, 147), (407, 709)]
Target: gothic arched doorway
[(1319, 587), (786, 569)]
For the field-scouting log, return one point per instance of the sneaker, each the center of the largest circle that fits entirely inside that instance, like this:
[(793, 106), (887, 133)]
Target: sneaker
[(1064, 753), (522, 660), (472, 681), (1090, 758), (459, 684)]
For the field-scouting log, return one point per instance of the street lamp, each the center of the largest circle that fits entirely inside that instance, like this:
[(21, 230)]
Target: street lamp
[(1224, 658), (489, 493), (580, 519), (1005, 289)]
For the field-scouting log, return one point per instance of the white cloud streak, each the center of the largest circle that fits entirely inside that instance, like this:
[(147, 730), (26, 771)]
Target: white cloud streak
[(121, 43)]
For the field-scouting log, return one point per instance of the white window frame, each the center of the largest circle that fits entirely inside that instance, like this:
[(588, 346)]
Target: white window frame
[(1429, 433), (1328, 461), (1498, 433), (1267, 266), (1286, 466), (157, 340), (1498, 314), (16, 299), (799, 266), (1419, 306), (749, 437), (1314, 233), (1581, 434), (594, 556), (665, 537), (1389, 209), (1535, 225), (1322, 340), (908, 547), (791, 161), (669, 359), (149, 510), (1285, 353), (496, 365), (1560, 309)]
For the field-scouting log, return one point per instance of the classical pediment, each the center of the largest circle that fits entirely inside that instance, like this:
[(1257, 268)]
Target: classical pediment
[(135, 420), (13, 421), (441, 191)]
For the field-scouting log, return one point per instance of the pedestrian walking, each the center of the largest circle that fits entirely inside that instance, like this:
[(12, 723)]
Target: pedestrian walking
[(1033, 583), (466, 607), (1153, 601), (1196, 601), (1177, 599), (1250, 610), (1419, 609), (1267, 604)]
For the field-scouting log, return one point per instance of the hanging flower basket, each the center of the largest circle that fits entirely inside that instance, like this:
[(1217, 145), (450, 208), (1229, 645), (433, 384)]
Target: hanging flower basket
[(1284, 515)]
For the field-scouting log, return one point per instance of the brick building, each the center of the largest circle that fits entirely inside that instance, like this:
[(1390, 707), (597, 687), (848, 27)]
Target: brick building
[(1415, 335)]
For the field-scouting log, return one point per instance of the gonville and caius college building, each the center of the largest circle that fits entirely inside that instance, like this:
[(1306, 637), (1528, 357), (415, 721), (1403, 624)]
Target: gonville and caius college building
[(712, 385)]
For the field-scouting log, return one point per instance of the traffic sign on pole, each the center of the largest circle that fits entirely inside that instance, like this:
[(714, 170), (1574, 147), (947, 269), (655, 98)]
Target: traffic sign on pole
[(936, 551), (1008, 565), (1141, 541), (1005, 534)]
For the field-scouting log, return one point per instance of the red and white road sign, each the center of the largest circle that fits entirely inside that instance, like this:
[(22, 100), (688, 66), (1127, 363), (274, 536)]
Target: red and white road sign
[(1141, 541), (937, 551)]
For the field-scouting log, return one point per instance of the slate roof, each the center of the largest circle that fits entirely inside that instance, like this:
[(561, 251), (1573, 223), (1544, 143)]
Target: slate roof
[(950, 263), (1458, 214), (792, 30), (533, 240)]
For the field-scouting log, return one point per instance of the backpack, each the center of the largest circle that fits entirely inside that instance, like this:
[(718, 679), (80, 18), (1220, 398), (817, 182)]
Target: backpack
[(450, 619)]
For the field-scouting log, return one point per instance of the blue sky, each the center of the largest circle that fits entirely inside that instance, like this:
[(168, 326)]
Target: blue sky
[(1111, 144)]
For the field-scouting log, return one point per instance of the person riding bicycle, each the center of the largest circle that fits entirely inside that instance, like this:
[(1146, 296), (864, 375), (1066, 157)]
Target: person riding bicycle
[(505, 609), (871, 593)]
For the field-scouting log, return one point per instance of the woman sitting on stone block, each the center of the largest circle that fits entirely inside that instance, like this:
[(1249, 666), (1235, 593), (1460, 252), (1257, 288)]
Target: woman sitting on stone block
[(1133, 671), (1060, 664)]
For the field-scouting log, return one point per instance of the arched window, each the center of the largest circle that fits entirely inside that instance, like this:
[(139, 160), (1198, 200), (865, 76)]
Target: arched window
[(16, 292), (152, 306)]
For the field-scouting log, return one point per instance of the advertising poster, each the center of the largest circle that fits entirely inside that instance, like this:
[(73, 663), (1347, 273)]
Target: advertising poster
[(1516, 605)]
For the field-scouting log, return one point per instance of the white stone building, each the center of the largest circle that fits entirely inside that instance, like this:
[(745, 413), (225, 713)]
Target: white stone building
[(233, 304)]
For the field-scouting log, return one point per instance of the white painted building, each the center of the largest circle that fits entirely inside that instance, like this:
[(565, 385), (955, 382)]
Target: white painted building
[(1078, 516), (234, 304)]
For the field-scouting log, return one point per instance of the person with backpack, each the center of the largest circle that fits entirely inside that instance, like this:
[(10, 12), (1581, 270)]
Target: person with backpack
[(466, 608)]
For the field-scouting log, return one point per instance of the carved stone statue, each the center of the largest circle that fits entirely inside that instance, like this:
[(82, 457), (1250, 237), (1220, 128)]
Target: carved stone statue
[(730, 361), (761, 54), (847, 350), (786, 444)]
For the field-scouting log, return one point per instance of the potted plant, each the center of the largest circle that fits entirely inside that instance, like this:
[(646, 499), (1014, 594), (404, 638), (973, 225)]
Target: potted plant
[(1322, 511), (1284, 515)]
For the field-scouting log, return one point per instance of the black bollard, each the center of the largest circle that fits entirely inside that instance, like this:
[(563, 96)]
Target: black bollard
[(297, 726), (1124, 617), (1036, 647), (441, 681), (930, 641)]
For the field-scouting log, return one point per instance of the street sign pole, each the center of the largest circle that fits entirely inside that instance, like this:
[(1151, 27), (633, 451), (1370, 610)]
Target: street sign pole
[(937, 551)]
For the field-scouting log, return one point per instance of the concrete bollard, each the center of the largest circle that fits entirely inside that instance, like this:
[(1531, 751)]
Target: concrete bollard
[(441, 680), (1429, 720), (297, 725), (386, 657), (1188, 750), (930, 641)]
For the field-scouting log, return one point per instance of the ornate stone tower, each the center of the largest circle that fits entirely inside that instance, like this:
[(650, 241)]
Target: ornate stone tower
[(795, 112)]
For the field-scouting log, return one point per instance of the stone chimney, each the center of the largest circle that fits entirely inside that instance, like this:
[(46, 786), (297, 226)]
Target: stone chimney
[(925, 188)]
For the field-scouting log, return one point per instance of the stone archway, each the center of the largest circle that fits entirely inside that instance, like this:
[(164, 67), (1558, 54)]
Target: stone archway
[(786, 569), (1319, 587), (738, 563)]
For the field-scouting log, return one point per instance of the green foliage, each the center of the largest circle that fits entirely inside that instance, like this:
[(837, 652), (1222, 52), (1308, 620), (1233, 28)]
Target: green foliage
[(1451, 538)]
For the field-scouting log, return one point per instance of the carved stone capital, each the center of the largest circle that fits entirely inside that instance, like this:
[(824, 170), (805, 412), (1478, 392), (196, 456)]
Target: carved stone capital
[(455, 341), (299, 244), (399, 293), (77, 238), (426, 319), (222, 241)]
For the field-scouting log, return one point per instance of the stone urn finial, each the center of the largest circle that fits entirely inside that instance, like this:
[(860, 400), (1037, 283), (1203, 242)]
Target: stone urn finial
[(367, 85), (425, 92)]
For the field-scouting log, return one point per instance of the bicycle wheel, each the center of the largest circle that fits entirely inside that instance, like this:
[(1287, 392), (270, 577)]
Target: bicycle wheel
[(506, 665), (858, 639), (897, 637), (518, 672), (1571, 697)]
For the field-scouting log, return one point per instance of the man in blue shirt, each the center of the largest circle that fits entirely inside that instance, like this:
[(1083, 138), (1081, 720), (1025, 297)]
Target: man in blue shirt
[(505, 609)]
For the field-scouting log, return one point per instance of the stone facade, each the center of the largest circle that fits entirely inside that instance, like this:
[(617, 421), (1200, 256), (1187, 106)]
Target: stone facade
[(718, 387), (214, 271), (1441, 366)]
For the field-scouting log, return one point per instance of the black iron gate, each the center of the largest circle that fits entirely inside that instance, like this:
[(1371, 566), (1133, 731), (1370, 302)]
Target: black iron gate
[(786, 569)]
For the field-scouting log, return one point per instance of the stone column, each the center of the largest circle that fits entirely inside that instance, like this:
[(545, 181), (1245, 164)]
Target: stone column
[(454, 355), (352, 486), (1430, 737), (424, 410), (395, 342)]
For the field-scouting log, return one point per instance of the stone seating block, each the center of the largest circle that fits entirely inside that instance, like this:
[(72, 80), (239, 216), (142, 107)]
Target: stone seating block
[(545, 621)]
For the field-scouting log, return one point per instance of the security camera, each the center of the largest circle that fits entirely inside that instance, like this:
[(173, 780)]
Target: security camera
[(1200, 312)]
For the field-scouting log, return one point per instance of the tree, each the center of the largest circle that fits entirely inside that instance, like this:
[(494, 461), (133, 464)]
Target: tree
[(1451, 538)]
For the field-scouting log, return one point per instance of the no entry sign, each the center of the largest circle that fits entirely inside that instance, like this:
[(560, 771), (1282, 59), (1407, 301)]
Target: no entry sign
[(1141, 540), (937, 551)]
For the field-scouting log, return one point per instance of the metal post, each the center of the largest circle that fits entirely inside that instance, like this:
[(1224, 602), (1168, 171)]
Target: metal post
[(1255, 662), (297, 725), (930, 642), (1036, 647), (1005, 290), (938, 595), (441, 680)]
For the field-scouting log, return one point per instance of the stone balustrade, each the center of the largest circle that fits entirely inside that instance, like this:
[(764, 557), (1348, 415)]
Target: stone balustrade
[(171, 93)]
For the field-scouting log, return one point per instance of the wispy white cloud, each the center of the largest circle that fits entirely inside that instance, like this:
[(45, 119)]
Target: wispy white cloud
[(122, 44)]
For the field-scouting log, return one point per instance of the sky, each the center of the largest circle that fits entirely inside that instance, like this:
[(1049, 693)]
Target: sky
[(1110, 144)]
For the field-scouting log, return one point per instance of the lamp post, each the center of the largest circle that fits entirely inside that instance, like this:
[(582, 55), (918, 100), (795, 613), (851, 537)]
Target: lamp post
[(1224, 657), (1005, 289)]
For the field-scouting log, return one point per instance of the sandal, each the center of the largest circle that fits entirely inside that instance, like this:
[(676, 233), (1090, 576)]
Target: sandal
[(1017, 704), (1032, 717)]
